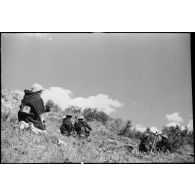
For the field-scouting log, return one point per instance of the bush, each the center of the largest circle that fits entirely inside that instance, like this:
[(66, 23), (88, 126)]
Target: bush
[(189, 139), (115, 125), (133, 134), (52, 106), (177, 137), (49, 103), (5, 115), (92, 114), (130, 132), (8, 119), (74, 110), (125, 131)]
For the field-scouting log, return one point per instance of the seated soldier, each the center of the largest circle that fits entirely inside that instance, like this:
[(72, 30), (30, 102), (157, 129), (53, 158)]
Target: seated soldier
[(32, 109), (81, 127), (164, 145), (147, 133), (67, 126)]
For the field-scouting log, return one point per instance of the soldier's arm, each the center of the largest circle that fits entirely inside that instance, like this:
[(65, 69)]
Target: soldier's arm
[(41, 117), (47, 109), (87, 125)]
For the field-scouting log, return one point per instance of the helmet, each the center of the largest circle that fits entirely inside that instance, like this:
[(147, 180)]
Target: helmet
[(165, 136), (80, 118), (68, 116)]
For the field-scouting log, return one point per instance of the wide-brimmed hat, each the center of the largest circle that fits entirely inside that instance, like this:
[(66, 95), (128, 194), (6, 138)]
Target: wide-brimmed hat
[(37, 87)]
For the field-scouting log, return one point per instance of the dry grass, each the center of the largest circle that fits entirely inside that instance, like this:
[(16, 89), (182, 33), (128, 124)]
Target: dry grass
[(102, 146)]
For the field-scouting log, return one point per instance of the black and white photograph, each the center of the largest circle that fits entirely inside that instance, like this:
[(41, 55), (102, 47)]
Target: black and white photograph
[(96, 98)]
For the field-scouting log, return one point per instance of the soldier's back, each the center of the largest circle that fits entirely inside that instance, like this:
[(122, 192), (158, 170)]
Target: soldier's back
[(66, 126)]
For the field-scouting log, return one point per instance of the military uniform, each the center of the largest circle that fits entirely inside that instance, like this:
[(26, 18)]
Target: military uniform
[(82, 128), (31, 107), (67, 126)]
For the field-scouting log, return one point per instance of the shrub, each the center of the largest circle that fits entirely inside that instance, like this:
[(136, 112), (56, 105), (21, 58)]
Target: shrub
[(50, 103), (115, 125), (189, 139), (5, 115), (130, 132), (73, 110), (177, 137), (53, 107), (125, 131), (8, 119), (92, 114), (133, 134)]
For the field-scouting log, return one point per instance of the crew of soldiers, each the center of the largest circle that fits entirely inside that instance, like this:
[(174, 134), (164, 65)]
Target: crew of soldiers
[(31, 115), (151, 142), (79, 126)]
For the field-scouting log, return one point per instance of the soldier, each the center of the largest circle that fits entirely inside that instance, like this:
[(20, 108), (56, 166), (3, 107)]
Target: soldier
[(164, 144), (81, 127), (67, 126), (148, 140), (32, 109)]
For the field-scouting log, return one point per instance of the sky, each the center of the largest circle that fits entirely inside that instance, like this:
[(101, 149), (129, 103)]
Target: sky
[(143, 77)]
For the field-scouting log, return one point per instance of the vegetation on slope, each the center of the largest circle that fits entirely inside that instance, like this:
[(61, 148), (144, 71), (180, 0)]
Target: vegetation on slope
[(111, 140)]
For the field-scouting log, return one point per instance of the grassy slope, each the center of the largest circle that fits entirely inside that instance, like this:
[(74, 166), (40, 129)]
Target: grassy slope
[(103, 147)]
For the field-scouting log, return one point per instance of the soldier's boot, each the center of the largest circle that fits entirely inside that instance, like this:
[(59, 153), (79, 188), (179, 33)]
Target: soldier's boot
[(23, 125), (36, 130)]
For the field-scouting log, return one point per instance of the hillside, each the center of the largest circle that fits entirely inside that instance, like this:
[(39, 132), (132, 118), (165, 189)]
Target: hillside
[(103, 145)]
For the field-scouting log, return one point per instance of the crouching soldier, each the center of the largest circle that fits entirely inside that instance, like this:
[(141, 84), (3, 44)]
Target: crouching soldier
[(164, 144), (67, 126), (81, 127), (31, 110)]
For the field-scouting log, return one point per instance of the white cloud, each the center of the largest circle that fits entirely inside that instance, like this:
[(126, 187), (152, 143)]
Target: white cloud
[(190, 125), (58, 95), (155, 129), (174, 117), (173, 124), (140, 128), (100, 101), (19, 92), (182, 128), (63, 98)]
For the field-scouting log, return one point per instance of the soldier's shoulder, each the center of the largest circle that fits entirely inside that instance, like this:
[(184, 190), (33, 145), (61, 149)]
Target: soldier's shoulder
[(85, 122)]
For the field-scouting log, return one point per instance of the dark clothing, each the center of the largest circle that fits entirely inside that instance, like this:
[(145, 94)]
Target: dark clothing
[(147, 142), (151, 142), (66, 127), (164, 145), (36, 104), (34, 100), (82, 128)]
